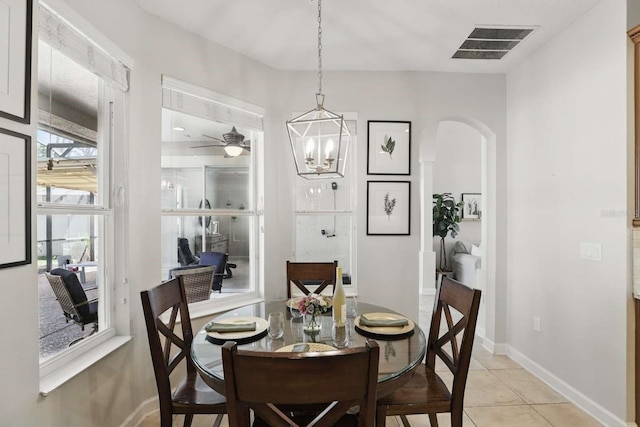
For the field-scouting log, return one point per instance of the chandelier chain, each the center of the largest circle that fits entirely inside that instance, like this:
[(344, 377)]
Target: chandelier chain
[(320, 46)]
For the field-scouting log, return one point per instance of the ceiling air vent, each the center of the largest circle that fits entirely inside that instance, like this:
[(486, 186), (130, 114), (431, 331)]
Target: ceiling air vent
[(491, 43)]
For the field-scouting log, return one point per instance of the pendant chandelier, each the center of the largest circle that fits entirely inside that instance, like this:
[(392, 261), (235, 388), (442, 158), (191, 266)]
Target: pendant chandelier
[(319, 138)]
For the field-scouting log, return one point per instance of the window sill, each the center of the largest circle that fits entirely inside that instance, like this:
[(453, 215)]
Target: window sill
[(55, 379), (217, 306)]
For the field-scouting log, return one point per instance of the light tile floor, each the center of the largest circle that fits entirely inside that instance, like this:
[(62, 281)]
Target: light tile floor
[(499, 393)]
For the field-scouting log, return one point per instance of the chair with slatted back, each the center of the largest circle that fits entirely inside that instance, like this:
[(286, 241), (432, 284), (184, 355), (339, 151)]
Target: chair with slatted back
[(303, 274), (192, 395), (295, 389), (426, 393), (198, 281), (73, 299)]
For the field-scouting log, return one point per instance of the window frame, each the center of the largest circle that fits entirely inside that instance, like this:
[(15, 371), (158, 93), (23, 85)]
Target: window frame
[(352, 166), (112, 150), (213, 102)]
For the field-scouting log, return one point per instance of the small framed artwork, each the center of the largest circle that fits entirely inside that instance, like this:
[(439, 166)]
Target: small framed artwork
[(15, 59), (15, 199), (472, 208), (388, 208), (388, 148)]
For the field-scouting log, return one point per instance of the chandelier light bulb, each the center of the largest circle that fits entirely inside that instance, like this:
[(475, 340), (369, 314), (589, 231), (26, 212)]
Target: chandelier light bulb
[(310, 146), (328, 149)]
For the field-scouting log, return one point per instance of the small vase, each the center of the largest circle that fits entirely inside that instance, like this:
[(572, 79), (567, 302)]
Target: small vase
[(311, 323)]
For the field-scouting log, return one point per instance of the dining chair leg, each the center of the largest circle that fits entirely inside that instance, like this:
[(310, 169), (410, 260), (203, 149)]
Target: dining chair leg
[(456, 419), (433, 419), (188, 419), (218, 420), (381, 417), (405, 421)]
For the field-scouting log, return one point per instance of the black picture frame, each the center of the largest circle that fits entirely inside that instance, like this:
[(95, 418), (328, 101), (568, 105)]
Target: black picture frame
[(380, 156), (15, 199), (388, 208), (472, 207), (16, 104)]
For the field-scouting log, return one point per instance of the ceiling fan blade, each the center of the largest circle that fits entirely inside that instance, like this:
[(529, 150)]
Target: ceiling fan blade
[(207, 145), (213, 137)]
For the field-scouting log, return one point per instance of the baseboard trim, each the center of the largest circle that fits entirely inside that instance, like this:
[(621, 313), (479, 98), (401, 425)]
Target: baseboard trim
[(500, 349), (145, 408), (598, 412), (487, 344), (491, 346)]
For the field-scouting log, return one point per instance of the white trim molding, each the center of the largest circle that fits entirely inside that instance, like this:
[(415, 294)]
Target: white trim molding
[(592, 408)]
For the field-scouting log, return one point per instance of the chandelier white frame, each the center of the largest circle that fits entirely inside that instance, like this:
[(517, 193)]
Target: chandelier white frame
[(319, 138)]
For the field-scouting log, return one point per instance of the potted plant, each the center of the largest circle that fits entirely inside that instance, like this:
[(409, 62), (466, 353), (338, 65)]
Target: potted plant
[(446, 216)]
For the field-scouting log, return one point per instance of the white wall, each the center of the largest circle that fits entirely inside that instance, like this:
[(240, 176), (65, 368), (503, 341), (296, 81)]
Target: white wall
[(567, 163), (456, 171)]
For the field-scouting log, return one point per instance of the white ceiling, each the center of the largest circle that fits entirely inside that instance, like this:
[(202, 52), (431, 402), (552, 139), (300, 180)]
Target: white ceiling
[(375, 35)]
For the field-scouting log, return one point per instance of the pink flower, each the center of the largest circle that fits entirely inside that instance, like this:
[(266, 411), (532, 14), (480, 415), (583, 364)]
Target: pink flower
[(314, 304)]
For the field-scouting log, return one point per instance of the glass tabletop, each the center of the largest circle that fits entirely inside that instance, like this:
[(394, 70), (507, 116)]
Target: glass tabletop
[(399, 355)]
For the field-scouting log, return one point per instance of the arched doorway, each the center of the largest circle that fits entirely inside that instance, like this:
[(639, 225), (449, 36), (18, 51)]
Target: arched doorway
[(486, 277)]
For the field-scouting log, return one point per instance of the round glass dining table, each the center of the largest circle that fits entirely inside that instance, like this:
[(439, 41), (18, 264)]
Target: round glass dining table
[(400, 356)]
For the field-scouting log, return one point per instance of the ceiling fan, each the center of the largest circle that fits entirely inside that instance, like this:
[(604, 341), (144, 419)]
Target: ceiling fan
[(233, 143)]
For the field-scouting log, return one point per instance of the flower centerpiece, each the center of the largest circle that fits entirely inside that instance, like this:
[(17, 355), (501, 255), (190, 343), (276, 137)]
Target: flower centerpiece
[(311, 306)]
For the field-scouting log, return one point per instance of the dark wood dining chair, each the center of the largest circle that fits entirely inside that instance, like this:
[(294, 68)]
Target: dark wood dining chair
[(295, 389), (426, 392), (192, 395), (303, 274)]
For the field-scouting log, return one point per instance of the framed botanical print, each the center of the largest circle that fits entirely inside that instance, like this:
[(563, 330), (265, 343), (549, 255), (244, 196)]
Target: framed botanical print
[(15, 199), (472, 208), (15, 59), (388, 148), (389, 208)]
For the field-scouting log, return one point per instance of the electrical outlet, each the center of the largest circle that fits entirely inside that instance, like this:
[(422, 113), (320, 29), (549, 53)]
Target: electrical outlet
[(536, 324)]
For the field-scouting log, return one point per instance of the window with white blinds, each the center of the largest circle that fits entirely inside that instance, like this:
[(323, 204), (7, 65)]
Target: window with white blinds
[(61, 35), (203, 103)]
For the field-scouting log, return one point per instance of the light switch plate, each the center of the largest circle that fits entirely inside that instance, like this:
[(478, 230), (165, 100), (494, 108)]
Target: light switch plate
[(591, 251)]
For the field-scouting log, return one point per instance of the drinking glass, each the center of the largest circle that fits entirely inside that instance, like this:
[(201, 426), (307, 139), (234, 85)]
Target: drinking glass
[(352, 306), (276, 325), (340, 335)]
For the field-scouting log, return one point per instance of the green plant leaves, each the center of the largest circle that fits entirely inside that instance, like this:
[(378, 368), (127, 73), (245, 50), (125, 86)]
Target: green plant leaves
[(389, 204), (446, 216), (388, 146)]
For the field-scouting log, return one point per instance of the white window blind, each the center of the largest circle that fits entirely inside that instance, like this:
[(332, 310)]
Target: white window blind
[(206, 104), (61, 35)]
